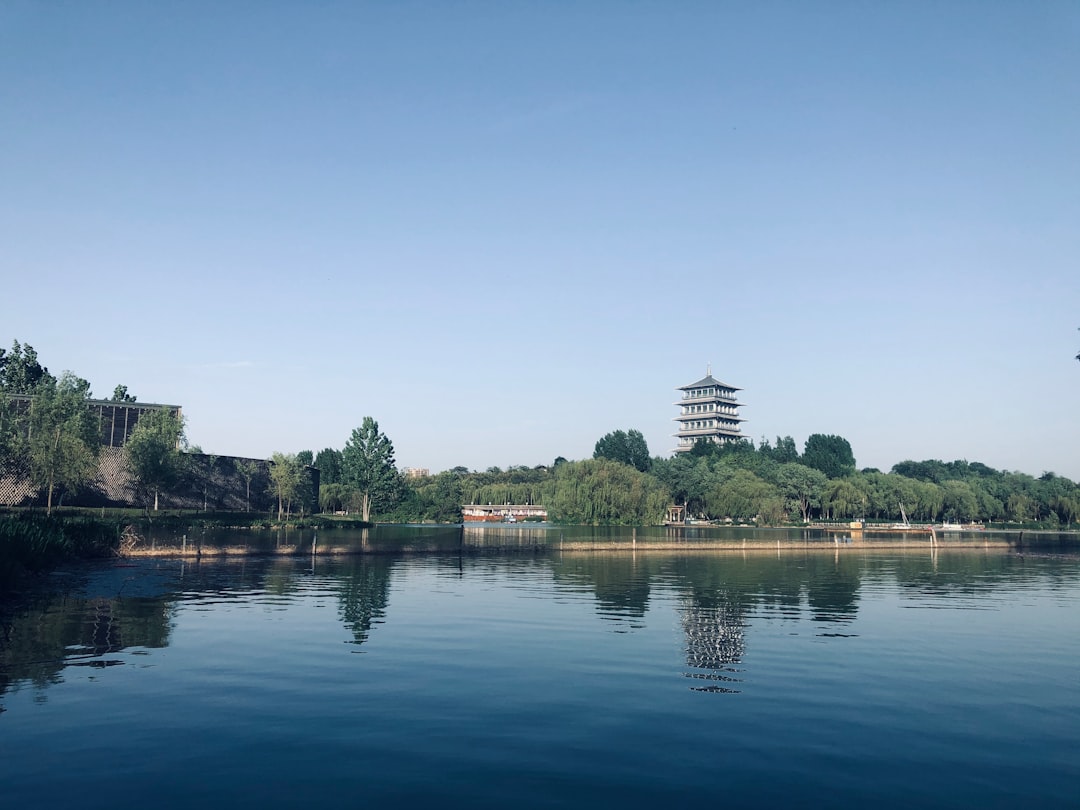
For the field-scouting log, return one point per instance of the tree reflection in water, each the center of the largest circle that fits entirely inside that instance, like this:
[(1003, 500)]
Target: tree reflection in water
[(52, 632), (716, 596), (363, 590)]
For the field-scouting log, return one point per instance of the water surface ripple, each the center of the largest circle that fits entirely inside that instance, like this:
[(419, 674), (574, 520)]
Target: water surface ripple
[(791, 678)]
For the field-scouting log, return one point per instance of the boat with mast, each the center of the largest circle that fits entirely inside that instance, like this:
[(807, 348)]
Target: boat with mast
[(906, 525)]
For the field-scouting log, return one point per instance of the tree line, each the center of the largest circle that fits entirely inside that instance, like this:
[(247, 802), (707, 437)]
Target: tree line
[(773, 484), (49, 436), (770, 483)]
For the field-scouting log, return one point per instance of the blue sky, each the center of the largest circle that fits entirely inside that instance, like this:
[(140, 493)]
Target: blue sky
[(504, 229)]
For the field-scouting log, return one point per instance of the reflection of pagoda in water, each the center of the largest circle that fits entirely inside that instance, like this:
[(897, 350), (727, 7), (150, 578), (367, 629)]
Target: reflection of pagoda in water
[(715, 642)]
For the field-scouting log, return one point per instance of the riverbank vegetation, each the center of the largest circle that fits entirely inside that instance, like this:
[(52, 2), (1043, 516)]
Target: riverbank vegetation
[(744, 483), (45, 438), (32, 542), (766, 484)]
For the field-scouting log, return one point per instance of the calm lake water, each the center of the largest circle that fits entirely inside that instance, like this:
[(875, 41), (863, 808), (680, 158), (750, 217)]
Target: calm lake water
[(793, 678)]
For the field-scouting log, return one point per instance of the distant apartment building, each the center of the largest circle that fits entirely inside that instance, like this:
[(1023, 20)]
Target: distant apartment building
[(416, 472), (708, 411)]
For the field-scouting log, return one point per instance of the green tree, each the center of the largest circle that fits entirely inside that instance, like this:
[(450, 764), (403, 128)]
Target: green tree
[(435, 498), (773, 511), (328, 461), (285, 478), (248, 470), (120, 394), (844, 498), (801, 486), (62, 438), (604, 492), (928, 502), (20, 374), (207, 477), (740, 496), (333, 497), (368, 468), (1021, 507), (931, 470), (154, 454), (688, 477), (628, 447), (830, 454), (20, 371), (961, 502), (785, 451)]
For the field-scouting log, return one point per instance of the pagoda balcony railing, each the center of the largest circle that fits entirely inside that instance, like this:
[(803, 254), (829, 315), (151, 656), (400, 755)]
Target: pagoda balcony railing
[(689, 396), (690, 417), (729, 431)]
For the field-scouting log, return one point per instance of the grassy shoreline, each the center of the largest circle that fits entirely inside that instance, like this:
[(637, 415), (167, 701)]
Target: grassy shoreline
[(33, 543)]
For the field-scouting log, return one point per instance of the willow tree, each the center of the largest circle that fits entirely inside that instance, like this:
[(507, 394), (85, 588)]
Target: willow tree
[(740, 496), (154, 454), (604, 492), (62, 437)]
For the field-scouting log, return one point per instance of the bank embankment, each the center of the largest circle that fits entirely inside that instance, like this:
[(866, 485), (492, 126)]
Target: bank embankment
[(194, 551), (33, 543)]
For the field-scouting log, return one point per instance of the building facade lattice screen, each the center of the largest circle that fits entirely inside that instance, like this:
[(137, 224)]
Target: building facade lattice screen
[(207, 482)]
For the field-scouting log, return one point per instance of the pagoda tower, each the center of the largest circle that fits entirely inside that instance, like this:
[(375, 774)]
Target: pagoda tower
[(708, 411)]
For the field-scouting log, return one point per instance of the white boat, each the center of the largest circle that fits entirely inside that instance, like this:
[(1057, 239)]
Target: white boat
[(906, 524), (946, 526)]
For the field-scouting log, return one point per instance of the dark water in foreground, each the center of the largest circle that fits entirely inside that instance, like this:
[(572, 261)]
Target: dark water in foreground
[(835, 678)]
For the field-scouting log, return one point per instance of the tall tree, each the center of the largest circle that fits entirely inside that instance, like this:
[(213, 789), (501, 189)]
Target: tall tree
[(830, 454), (785, 451), (20, 371), (285, 477), (328, 461), (206, 468), (628, 447), (153, 454), (62, 438), (368, 467), (20, 374), (120, 394), (248, 470), (801, 486)]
